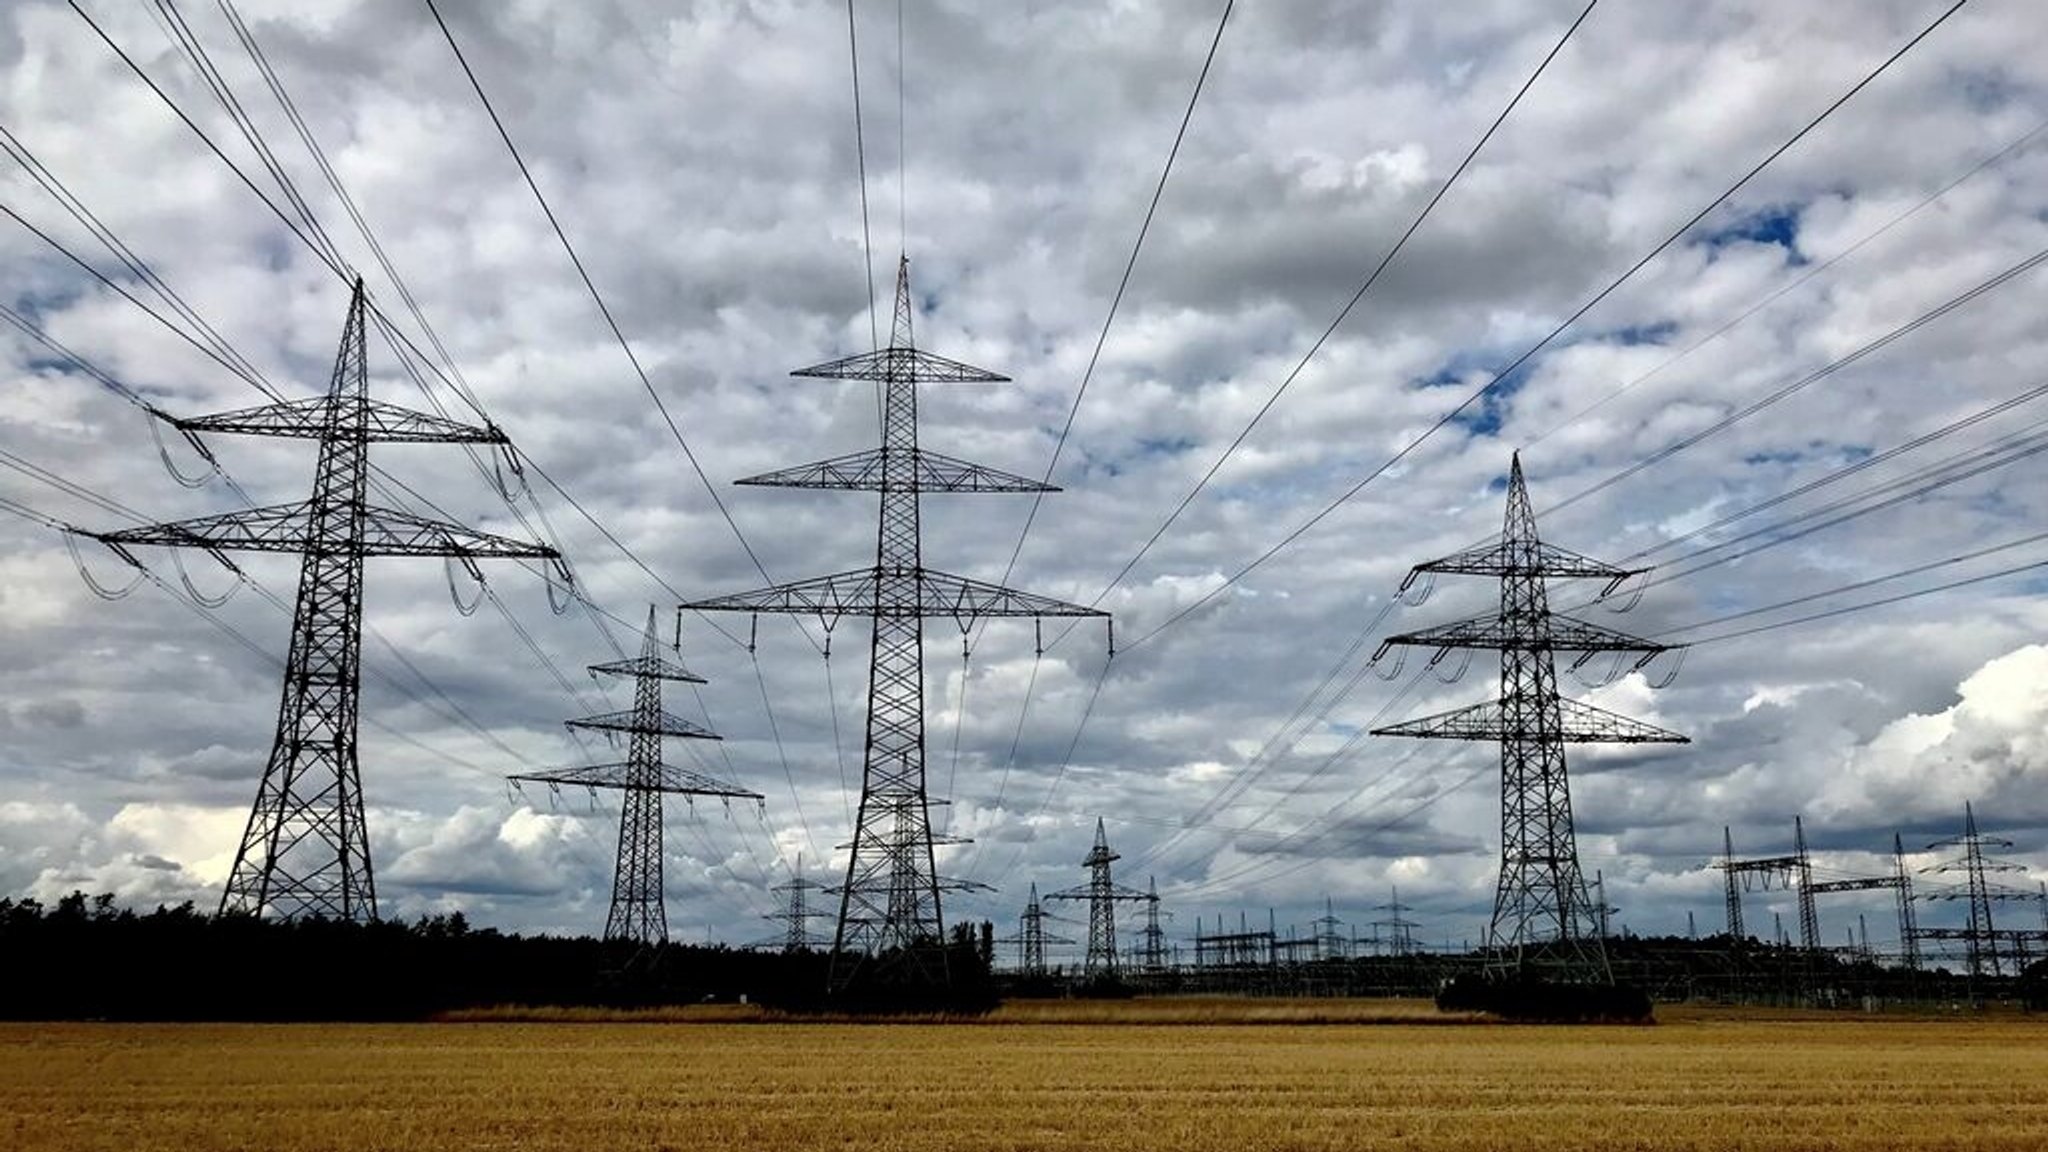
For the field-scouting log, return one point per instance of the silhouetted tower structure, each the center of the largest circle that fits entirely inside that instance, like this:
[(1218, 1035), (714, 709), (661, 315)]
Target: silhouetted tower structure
[(1792, 872), (1152, 950), (1900, 882), (1982, 940), (797, 913), (1031, 938), (889, 907), (1601, 908), (1329, 933), (1102, 893), (306, 850), (1399, 936), (1542, 918), (638, 914)]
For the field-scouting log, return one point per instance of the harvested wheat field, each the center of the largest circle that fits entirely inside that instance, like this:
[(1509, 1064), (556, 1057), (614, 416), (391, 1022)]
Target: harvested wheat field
[(1184, 1076)]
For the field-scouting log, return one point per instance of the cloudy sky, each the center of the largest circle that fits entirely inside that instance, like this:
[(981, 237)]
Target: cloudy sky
[(702, 158)]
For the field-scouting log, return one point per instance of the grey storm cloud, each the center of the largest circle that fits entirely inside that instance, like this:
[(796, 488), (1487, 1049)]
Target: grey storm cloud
[(703, 159)]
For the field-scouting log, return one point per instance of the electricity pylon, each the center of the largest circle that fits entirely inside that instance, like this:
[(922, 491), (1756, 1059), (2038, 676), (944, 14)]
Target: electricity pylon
[(305, 850), (1152, 949), (796, 914), (638, 914), (1542, 917), (1400, 935), (1102, 893), (1900, 882), (889, 906), (1985, 944), (1031, 938)]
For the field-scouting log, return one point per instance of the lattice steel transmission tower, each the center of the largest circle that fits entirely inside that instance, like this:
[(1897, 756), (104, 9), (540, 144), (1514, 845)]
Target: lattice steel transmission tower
[(1031, 938), (889, 907), (1543, 921), (305, 850), (1329, 933), (1400, 935), (1152, 950), (1102, 893), (797, 913), (1793, 872), (638, 913), (1986, 946)]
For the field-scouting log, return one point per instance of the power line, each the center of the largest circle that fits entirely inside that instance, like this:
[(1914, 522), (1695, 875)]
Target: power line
[(1343, 313), (1123, 283), (1516, 364), (1816, 270), (603, 308)]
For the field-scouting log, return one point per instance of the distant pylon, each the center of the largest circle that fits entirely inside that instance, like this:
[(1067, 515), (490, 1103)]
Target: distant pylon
[(1982, 939), (1031, 938), (1399, 936), (796, 913), (638, 913), (889, 906), (1542, 917), (1329, 937), (1152, 938), (306, 850), (1102, 893)]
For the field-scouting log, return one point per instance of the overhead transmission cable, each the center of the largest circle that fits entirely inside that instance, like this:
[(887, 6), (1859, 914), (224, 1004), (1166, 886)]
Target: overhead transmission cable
[(1523, 358)]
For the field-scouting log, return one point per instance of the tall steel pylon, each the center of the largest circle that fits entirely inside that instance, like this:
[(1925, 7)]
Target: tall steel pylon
[(639, 914), (796, 914), (1102, 893), (1543, 921), (1031, 938), (1987, 947), (890, 917), (1793, 872), (306, 850), (1152, 949)]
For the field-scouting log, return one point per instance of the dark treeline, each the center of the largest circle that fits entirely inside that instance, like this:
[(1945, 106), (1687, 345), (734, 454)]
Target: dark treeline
[(84, 958)]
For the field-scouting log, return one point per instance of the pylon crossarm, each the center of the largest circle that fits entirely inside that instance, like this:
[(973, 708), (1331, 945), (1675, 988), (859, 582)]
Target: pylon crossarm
[(898, 365), (391, 533), (680, 781), (1579, 724), (665, 723), (1527, 558), (288, 528), (314, 417), (1560, 634), (1861, 884), (940, 595), (1115, 892), (649, 666), (862, 472)]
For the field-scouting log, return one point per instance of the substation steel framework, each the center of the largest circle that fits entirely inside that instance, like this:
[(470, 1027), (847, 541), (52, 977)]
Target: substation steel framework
[(1793, 871), (1102, 893), (1986, 946), (639, 914), (890, 916), (1543, 921), (306, 850)]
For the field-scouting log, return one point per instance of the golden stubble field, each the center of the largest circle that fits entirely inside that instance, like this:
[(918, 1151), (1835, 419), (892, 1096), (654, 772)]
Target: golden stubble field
[(1164, 1075)]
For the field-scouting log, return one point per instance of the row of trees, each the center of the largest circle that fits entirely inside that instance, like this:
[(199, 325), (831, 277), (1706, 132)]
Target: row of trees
[(85, 958)]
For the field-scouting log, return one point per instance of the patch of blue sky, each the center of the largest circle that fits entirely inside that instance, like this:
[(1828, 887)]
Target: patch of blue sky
[(1776, 225)]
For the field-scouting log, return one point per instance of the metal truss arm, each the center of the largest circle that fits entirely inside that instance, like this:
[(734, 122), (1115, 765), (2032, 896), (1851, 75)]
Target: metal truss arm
[(901, 365), (680, 781), (1526, 558), (286, 528), (649, 666), (312, 418), (1579, 724), (1561, 634), (665, 724), (862, 472), (855, 593)]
